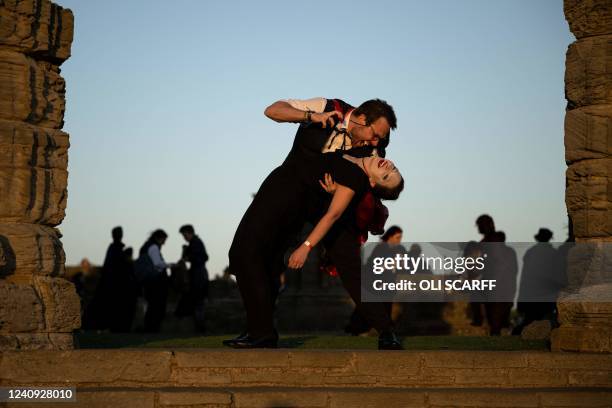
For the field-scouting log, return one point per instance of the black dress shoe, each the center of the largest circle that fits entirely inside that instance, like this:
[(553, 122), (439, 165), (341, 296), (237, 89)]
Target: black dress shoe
[(387, 340), (249, 342), (229, 342)]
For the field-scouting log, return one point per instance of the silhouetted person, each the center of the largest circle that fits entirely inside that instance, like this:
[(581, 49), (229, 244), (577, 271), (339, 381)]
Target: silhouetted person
[(156, 285), (541, 280), (501, 265), (125, 293), (389, 246), (486, 227), (103, 303), (192, 302), (415, 251)]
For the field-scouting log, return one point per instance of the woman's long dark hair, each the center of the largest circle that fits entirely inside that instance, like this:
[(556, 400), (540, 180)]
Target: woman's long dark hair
[(391, 231), (155, 236)]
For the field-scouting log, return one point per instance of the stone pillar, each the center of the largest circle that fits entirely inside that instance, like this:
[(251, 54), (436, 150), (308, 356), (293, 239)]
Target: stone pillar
[(38, 308), (586, 324)]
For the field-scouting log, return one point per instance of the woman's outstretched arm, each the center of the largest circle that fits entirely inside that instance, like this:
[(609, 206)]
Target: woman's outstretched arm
[(341, 199)]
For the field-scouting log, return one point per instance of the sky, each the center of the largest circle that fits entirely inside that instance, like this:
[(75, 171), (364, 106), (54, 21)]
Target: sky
[(165, 106)]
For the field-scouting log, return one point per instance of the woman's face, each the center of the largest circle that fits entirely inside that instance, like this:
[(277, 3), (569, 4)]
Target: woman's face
[(382, 172)]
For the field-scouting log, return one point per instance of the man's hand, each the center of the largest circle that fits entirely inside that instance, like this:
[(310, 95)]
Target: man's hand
[(325, 118), (329, 185), (298, 257)]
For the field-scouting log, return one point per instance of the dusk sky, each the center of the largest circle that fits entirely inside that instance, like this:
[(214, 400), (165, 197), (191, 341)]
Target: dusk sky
[(165, 106)]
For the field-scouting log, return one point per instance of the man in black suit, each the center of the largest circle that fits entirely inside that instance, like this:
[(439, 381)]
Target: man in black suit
[(195, 254), (326, 125)]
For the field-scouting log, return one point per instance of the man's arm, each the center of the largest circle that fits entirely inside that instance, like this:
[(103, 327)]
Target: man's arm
[(297, 111)]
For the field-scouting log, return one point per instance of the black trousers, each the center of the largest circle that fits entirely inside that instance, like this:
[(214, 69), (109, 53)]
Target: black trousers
[(256, 254), (156, 294), (343, 247), (498, 316)]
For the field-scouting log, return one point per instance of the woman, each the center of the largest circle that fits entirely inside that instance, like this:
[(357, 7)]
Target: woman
[(155, 286), (257, 269), (389, 246)]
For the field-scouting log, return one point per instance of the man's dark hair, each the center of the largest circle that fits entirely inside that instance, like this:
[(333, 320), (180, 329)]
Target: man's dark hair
[(389, 193), (187, 229), (376, 108), (117, 233), (485, 223)]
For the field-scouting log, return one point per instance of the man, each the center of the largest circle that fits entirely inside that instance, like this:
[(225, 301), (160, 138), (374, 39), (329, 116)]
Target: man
[(195, 254), (103, 305), (541, 281), (326, 126), (501, 266), (486, 227)]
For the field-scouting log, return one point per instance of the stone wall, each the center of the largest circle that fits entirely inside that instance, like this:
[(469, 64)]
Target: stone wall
[(586, 325), (314, 378), (38, 308)]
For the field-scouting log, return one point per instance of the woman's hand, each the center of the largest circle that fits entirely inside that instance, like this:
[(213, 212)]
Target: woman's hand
[(329, 185), (298, 257), (325, 118)]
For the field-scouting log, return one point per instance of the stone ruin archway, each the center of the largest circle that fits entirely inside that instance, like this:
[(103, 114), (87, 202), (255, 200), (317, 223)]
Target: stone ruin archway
[(39, 309)]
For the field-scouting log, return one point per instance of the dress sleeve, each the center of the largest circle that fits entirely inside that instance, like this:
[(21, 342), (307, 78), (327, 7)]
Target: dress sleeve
[(349, 174)]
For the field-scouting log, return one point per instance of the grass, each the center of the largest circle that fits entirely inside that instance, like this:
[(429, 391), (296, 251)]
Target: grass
[(89, 340)]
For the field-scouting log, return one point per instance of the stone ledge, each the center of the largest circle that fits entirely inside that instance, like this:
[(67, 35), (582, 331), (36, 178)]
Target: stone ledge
[(313, 368)]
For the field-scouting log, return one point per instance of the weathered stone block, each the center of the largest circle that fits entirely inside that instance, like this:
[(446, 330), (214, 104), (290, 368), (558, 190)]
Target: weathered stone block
[(62, 305), (279, 398), (115, 399), (533, 377), (85, 366), (588, 133), (44, 341), (388, 364), (181, 398), (538, 330), (233, 358), (570, 361), (581, 399), (28, 250), (588, 17), (202, 376), (589, 197), (582, 339), (588, 73), (36, 341), (475, 398), (33, 176), (37, 27), (31, 91), (21, 310), (590, 306), (321, 359), (377, 398)]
